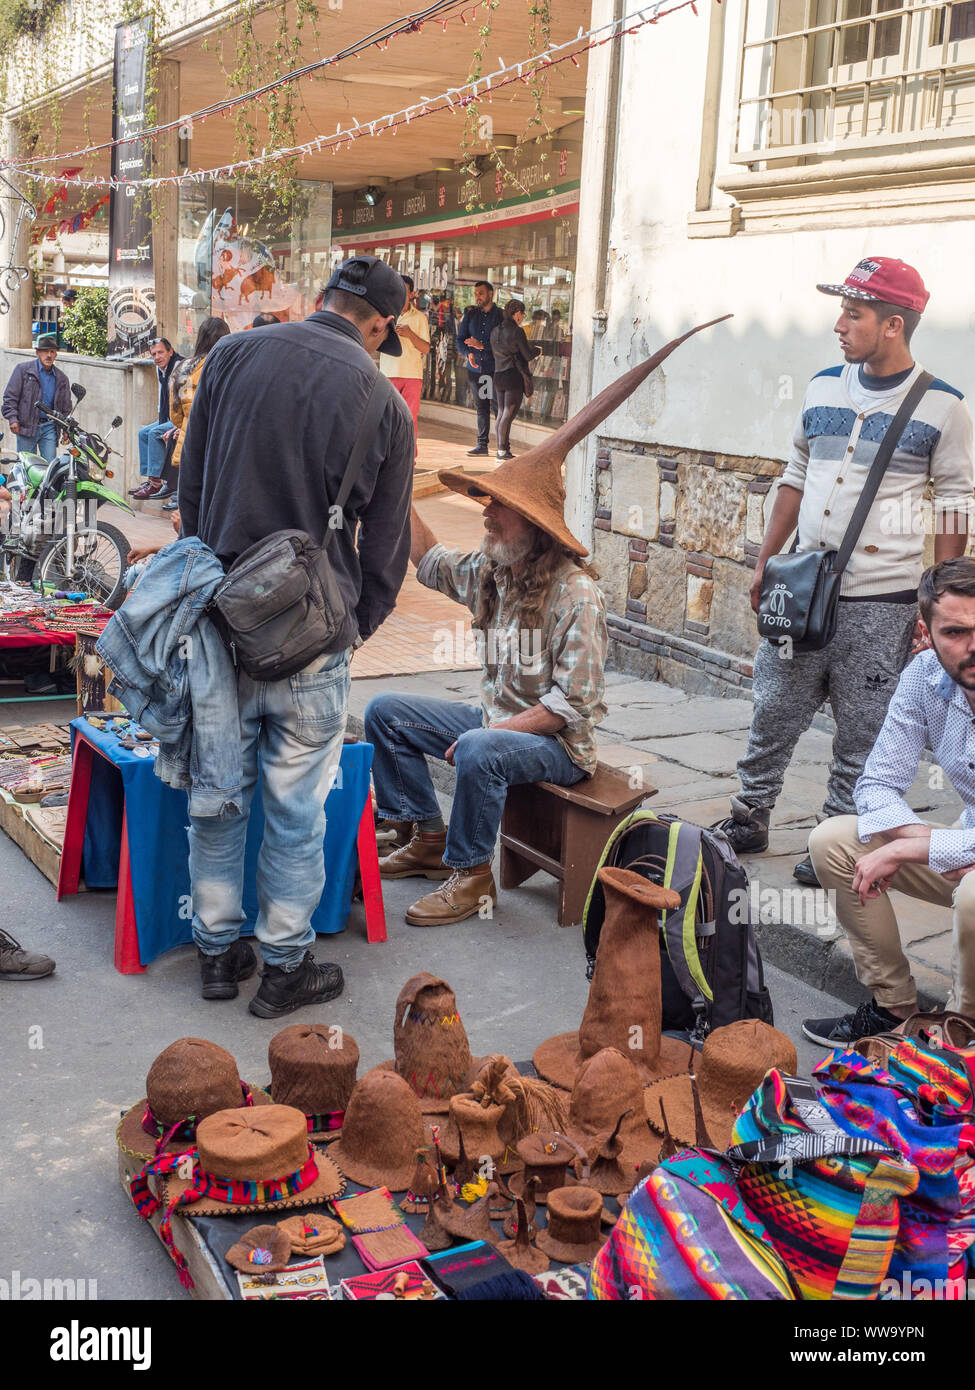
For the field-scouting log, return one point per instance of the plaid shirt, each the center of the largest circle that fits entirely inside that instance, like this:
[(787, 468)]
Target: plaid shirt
[(559, 666), (928, 710)]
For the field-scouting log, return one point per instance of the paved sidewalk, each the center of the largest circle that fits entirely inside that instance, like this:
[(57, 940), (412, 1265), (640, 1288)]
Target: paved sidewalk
[(690, 746)]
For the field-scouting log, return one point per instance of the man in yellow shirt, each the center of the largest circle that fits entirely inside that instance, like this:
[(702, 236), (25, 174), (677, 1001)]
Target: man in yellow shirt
[(406, 371)]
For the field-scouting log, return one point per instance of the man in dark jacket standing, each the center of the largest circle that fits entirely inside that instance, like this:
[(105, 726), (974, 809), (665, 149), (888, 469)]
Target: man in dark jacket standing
[(31, 386), (273, 424), (474, 345)]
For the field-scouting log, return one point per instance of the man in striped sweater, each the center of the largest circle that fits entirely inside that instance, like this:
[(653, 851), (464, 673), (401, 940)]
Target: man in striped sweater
[(845, 414)]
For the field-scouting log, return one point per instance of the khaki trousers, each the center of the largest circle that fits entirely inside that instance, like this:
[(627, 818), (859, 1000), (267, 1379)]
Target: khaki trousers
[(871, 927)]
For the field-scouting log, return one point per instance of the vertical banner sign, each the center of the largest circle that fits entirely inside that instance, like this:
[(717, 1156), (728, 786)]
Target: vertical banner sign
[(131, 284)]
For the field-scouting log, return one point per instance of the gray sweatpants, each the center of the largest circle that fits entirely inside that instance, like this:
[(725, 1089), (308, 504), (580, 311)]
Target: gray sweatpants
[(857, 673)]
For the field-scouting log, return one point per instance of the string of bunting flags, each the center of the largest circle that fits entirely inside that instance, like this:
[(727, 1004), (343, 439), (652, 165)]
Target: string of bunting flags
[(441, 11), (454, 99)]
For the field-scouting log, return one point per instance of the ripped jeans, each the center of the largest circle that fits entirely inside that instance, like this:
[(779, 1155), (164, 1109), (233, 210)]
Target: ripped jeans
[(296, 726)]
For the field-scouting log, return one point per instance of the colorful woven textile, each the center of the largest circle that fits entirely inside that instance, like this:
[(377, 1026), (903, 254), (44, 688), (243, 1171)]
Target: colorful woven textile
[(685, 1233), (917, 1105), (829, 1200)]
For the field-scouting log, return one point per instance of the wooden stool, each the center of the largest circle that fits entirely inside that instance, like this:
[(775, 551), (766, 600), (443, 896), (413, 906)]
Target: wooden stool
[(563, 830)]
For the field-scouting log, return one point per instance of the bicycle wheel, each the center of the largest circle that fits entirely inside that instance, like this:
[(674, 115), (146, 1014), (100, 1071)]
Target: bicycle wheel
[(99, 564)]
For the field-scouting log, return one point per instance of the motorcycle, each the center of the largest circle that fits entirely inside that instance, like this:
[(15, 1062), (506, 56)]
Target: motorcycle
[(52, 541)]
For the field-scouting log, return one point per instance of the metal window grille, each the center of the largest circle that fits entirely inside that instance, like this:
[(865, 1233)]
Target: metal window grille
[(817, 75)]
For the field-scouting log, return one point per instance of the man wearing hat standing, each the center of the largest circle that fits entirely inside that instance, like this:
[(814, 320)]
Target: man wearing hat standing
[(33, 385), (845, 415), (273, 424), (541, 628)]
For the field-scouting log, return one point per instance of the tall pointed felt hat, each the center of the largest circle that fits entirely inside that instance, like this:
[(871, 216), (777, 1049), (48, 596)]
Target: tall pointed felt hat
[(624, 1008), (432, 1052), (531, 484)]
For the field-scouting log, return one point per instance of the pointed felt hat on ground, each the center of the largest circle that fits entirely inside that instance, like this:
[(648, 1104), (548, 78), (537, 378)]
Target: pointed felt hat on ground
[(382, 1131), (433, 1055), (531, 484), (624, 1007), (606, 1118), (733, 1061)]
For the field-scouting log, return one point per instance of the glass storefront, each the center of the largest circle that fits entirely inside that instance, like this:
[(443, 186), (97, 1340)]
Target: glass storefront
[(533, 262), (516, 227), (235, 263)]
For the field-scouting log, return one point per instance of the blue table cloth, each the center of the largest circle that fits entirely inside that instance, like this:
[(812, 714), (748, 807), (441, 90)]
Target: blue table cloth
[(159, 850)]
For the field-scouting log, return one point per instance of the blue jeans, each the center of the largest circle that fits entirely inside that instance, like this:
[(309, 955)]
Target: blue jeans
[(152, 449), (44, 442), (488, 761), (296, 725)]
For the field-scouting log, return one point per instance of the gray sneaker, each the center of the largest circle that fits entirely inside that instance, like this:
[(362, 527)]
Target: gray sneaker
[(18, 964)]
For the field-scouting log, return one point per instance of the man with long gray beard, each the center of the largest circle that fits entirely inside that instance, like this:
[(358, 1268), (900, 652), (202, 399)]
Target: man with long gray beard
[(540, 621)]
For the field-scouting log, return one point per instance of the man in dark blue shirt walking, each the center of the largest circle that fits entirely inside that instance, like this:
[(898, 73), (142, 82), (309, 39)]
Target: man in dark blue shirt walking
[(474, 345)]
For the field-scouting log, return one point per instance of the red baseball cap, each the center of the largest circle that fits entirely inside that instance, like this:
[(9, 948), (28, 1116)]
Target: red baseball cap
[(881, 278)]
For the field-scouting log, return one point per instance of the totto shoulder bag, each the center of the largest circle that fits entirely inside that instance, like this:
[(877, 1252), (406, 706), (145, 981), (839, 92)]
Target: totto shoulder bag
[(800, 593), (280, 605)]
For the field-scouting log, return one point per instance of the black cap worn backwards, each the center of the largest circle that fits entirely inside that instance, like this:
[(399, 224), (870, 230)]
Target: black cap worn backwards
[(379, 285)]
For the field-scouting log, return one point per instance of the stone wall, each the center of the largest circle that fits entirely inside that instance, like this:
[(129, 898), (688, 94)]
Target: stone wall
[(677, 534)]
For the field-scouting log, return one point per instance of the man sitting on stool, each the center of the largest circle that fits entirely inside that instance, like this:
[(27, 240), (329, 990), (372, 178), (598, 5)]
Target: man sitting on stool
[(154, 438), (887, 845), (541, 621)]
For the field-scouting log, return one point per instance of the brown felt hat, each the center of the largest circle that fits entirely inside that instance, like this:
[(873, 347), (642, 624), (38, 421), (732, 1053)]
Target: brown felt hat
[(478, 1125), (432, 1051), (529, 1105), (313, 1068), (313, 1234), (531, 484), (732, 1062), (189, 1080), (382, 1131), (256, 1147), (519, 1251), (268, 1244), (546, 1156), (606, 1118), (624, 1006), (573, 1233)]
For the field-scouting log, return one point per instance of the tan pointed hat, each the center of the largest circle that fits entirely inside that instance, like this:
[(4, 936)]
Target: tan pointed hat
[(732, 1062), (432, 1052), (624, 1008), (531, 484), (607, 1120)]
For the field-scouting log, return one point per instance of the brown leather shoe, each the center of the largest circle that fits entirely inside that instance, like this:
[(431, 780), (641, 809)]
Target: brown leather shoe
[(460, 897), (421, 858), (393, 835)]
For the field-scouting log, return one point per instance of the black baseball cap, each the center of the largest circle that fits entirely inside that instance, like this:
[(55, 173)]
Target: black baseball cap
[(379, 285)]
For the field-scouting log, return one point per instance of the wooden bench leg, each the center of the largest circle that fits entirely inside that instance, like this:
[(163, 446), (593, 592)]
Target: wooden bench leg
[(586, 834), (127, 959), (372, 891), (74, 830)]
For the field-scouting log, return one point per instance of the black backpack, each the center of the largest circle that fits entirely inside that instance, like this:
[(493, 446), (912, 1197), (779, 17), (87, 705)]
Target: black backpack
[(710, 967)]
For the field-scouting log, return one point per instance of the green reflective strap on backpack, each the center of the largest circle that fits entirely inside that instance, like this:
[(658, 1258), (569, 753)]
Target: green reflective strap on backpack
[(610, 844), (683, 876)]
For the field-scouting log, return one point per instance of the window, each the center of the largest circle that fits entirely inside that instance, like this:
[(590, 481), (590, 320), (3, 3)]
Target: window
[(852, 74)]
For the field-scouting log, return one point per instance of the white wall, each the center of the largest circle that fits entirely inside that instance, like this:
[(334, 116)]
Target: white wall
[(128, 389), (736, 389)]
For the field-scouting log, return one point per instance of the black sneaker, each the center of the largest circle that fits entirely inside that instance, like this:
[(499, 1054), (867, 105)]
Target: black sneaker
[(480, 449), (843, 1032), (282, 991), (746, 829), (220, 974), (806, 873)]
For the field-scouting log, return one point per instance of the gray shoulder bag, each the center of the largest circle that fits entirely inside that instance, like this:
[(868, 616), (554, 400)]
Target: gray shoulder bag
[(800, 594), (280, 605)]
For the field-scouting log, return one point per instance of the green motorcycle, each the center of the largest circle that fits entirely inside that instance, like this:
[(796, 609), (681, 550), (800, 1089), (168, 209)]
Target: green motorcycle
[(53, 536)]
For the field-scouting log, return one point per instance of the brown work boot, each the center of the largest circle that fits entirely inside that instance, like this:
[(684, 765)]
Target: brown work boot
[(392, 835), (421, 858), (460, 897)]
